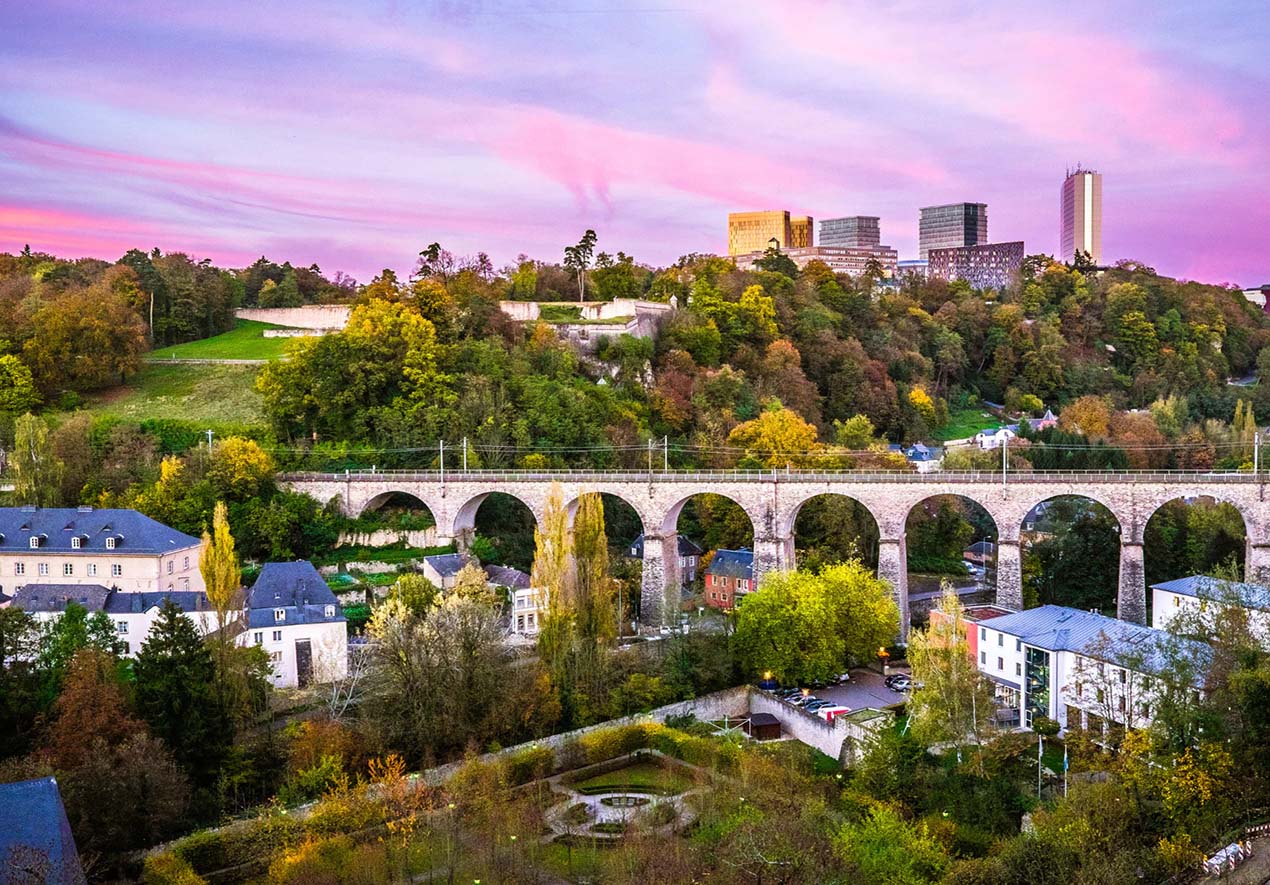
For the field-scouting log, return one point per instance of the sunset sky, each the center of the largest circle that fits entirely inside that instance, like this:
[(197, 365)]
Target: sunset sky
[(232, 129)]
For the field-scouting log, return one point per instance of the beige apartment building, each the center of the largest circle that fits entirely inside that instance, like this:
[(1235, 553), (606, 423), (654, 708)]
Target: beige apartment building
[(116, 549), (1080, 215), (754, 231)]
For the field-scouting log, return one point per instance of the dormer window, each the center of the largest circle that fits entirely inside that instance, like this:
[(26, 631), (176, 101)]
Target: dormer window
[(110, 543), (35, 542), (75, 542), (279, 614), (330, 611)]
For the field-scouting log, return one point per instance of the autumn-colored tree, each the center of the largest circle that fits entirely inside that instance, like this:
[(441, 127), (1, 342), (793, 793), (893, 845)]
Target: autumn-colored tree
[(472, 583), (92, 705), (240, 468), (218, 564), (776, 438), (593, 585), (1090, 415), (37, 473), (17, 386), (552, 575)]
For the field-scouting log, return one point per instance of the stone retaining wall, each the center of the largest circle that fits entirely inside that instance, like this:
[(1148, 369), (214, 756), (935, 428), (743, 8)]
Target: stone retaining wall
[(310, 316)]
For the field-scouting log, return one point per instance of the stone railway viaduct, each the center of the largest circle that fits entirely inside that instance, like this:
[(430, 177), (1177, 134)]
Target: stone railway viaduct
[(772, 501)]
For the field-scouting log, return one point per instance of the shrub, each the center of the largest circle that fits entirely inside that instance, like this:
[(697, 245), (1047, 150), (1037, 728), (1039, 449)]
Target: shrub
[(210, 850), (168, 869), (310, 783), (529, 764)]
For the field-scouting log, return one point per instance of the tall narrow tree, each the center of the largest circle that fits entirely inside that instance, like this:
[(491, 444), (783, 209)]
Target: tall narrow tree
[(551, 577), (37, 474)]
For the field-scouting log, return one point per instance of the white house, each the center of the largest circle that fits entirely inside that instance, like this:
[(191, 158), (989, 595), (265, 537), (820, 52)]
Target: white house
[(131, 614), (118, 549), (1202, 594), (442, 569), (1080, 668), (994, 439), (293, 615)]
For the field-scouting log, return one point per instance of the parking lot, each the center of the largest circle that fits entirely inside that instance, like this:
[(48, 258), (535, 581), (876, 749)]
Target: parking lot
[(864, 690)]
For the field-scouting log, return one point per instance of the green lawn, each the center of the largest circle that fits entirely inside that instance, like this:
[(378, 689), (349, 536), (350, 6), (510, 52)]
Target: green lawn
[(966, 422), (642, 776), (221, 395), (246, 341)]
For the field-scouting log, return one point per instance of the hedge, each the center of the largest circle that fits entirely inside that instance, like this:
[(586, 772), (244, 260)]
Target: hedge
[(210, 850), (168, 869)]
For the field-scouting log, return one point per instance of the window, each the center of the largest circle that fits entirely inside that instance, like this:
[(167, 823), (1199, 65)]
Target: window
[(127, 648), (35, 543), (1000, 639), (1123, 676), (983, 658), (1102, 696), (1018, 669), (19, 568), (121, 627), (75, 544), (330, 611), (110, 543), (43, 568), (279, 614), (983, 634), (171, 566), (275, 657), (68, 569), (1080, 689), (1121, 705), (259, 637), (277, 635), (92, 570), (116, 570), (1000, 663), (1018, 645), (186, 563), (1146, 710), (1177, 602)]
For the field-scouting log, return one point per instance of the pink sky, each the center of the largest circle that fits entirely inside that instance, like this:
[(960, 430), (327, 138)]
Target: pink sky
[(235, 129)]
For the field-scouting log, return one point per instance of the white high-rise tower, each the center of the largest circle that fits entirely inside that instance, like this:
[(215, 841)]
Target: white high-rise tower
[(1080, 211)]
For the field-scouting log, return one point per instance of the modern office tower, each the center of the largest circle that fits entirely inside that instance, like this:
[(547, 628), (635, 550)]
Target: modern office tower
[(1080, 211), (755, 231), (989, 266), (952, 226), (854, 231)]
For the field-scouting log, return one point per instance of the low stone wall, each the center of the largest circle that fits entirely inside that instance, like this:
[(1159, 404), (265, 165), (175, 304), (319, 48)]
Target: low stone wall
[(310, 316), (719, 705), (387, 537), (840, 739), (295, 333), (366, 568)]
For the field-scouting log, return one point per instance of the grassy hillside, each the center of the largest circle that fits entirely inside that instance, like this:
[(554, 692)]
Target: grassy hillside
[(220, 395), (245, 341)]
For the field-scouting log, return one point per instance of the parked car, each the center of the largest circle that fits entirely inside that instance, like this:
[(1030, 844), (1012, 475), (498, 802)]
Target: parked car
[(816, 705), (900, 682), (832, 712), (841, 678)]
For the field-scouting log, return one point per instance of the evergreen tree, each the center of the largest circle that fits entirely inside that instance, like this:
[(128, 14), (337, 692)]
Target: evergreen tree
[(176, 695)]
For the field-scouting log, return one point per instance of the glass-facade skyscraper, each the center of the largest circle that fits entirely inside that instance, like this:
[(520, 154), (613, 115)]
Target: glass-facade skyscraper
[(1080, 214), (951, 227), (854, 231)]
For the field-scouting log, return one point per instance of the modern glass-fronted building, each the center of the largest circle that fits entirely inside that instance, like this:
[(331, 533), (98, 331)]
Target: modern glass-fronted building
[(853, 231), (952, 226), (1080, 209)]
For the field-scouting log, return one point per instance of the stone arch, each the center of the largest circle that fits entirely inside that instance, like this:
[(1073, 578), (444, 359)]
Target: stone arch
[(1128, 588), (571, 508), (670, 520), (1246, 546), (464, 526), (789, 519), (382, 499), (990, 533)]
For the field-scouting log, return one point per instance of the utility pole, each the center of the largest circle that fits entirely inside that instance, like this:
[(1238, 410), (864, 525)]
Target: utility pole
[(1005, 458), (650, 456), (443, 462), (1256, 452), (209, 441), (465, 454), (665, 453)]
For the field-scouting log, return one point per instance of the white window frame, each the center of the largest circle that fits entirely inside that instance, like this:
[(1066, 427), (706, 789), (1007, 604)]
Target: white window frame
[(43, 569), (121, 627), (116, 570), (19, 568), (279, 615), (76, 542), (92, 570), (34, 543), (110, 543), (68, 570), (277, 635)]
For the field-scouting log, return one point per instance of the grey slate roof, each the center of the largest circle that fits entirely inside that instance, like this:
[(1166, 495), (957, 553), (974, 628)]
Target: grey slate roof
[(36, 844), (447, 565), (297, 590), (121, 603), (55, 597), (133, 532), (983, 548), (1058, 628), (687, 546), (1255, 596), (732, 564), (506, 576)]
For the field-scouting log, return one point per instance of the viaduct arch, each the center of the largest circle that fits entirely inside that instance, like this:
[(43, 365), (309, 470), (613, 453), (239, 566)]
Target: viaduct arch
[(772, 499)]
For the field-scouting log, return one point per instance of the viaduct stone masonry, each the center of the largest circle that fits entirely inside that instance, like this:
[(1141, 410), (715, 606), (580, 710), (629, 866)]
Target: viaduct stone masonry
[(772, 501)]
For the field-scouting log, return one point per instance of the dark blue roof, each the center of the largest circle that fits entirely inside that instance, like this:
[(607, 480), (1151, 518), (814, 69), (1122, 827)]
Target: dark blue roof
[(36, 844), (186, 600), (133, 532), (687, 546), (1058, 628), (732, 563), (447, 565), (506, 576), (297, 590), (55, 597), (1205, 587)]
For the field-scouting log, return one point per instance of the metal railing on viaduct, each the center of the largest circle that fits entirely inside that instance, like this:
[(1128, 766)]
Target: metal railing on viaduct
[(772, 499)]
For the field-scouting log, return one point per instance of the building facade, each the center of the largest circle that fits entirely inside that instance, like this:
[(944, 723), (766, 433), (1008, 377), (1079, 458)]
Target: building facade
[(1080, 215), (728, 577), (689, 556), (1081, 669), (119, 549), (851, 260), (1201, 598), (755, 231), (912, 266), (293, 615), (853, 231), (952, 226), (988, 266)]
